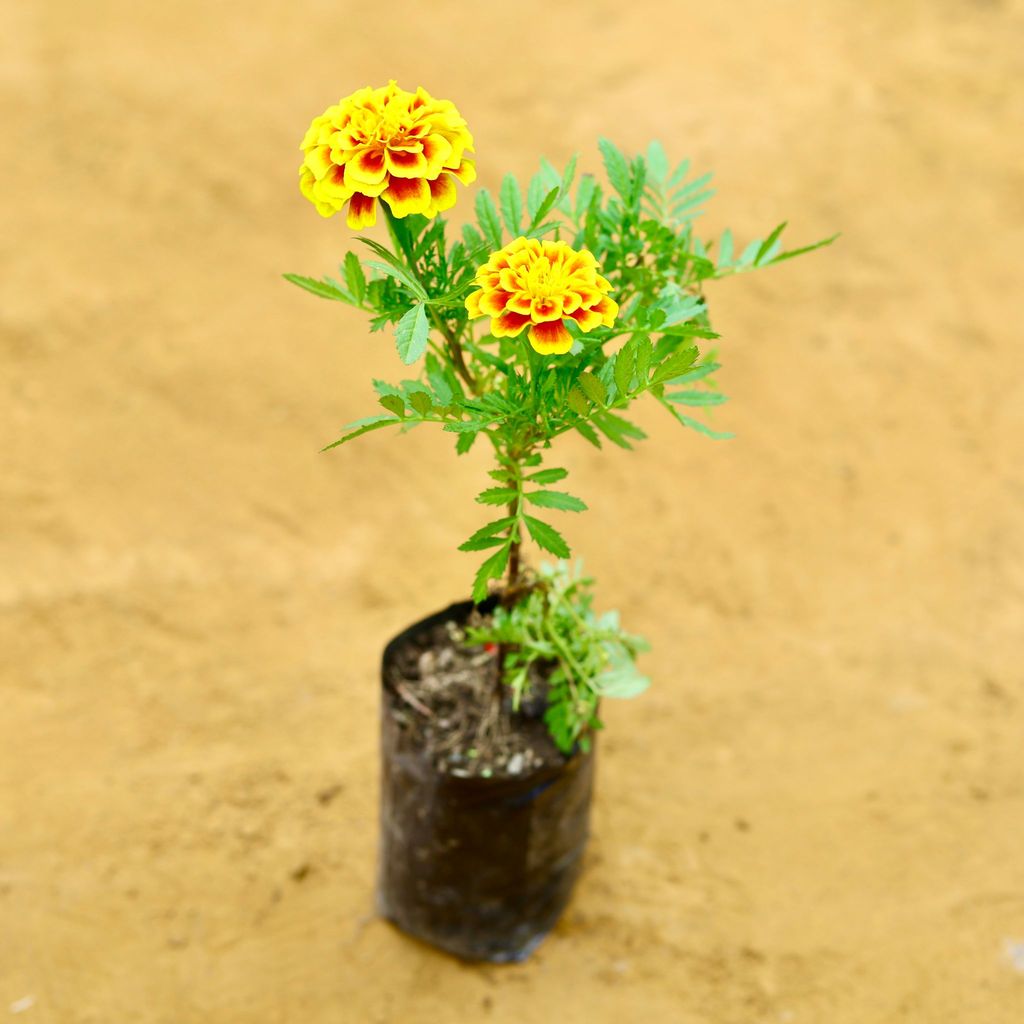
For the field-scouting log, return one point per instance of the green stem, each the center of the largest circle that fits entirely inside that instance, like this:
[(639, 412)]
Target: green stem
[(400, 236)]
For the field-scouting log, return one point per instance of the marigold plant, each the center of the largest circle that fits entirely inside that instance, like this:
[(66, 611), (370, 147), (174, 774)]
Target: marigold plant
[(550, 313)]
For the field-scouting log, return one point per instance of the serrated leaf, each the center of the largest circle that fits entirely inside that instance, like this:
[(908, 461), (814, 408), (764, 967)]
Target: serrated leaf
[(578, 402), (696, 398), (584, 193), (400, 274), (482, 544), (547, 537), (617, 429), (322, 289), (644, 351), (698, 373), (767, 244), (800, 252), (511, 204), (411, 334), (487, 217), (587, 432), (556, 499), (491, 569), (359, 427), (536, 221), (489, 531), (354, 276), (657, 161), (725, 249), (564, 202), (421, 402), (548, 476), (625, 363), (616, 166), (621, 681), (393, 403), (592, 387), (702, 428), (749, 253), (497, 496), (675, 365)]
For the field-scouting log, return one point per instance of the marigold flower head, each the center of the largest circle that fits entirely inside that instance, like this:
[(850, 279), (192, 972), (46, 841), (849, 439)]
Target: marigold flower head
[(542, 284), (404, 148)]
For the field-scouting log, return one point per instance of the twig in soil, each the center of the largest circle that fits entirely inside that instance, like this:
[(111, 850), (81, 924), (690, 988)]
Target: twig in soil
[(413, 701)]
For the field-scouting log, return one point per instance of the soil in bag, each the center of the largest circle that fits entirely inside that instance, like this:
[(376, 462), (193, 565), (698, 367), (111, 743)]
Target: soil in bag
[(483, 820)]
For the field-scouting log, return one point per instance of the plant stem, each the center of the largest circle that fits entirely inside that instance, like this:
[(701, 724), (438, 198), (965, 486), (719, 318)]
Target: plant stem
[(400, 236), (515, 509)]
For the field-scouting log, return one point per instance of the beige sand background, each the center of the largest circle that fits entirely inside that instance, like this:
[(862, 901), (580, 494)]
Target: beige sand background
[(816, 815)]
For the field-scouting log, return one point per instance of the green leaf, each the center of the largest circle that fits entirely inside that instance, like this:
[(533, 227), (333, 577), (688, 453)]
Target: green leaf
[(588, 433), (359, 427), (556, 499), (488, 532), (543, 209), (487, 217), (411, 334), (511, 204), (675, 365), (702, 428), (621, 681), (320, 288), (696, 398), (421, 402), (657, 161), (725, 249), (799, 252), (497, 496), (698, 373), (592, 388), (491, 569), (766, 245), (401, 275), (625, 363), (354, 276), (548, 476), (564, 203), (578, 402), (644, 351), (393, 403), (616, 166), (584, 193), (617, 429), (547, 537), (482, 544)]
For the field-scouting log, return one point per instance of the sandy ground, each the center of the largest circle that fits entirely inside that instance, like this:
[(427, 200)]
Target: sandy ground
[(816, 815)]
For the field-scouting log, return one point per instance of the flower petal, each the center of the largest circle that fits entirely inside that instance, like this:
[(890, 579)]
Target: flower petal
[(473, 305), (587, 319), (442, 194), (550, 338), (465, 172), (407, 195), (436, 149), (405, 164), (362, 212), (547, 308), (366, 165), (494, 302), (508, 325)]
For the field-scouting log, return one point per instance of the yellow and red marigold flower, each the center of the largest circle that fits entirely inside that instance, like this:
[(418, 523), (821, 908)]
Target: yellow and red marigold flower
[(542, 284), (404, 148)]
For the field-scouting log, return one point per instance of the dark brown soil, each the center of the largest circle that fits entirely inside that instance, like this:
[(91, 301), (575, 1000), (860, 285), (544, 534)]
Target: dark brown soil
[(448, 694)]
